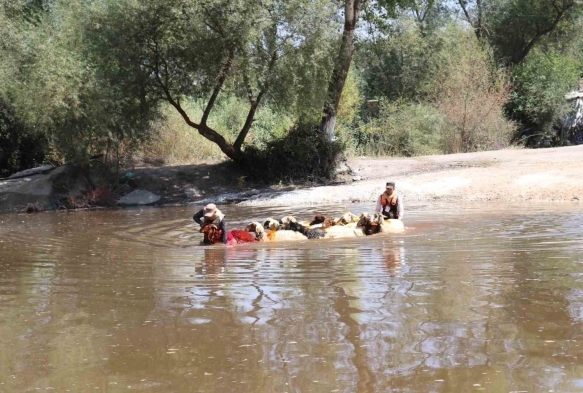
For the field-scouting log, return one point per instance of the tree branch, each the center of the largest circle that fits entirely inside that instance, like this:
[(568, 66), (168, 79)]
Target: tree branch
[(216, 29), (478, 28), (175, 103), (520, 55), (462, 4), (417, 15), (341, 68), (248, 88), (202, 128), (254, 105), (223, 74)]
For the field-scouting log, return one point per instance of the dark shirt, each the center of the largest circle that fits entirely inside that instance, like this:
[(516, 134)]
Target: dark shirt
[(199, 218)]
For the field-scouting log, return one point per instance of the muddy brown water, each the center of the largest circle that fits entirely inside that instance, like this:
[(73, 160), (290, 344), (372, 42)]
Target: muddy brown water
[(474, 297)]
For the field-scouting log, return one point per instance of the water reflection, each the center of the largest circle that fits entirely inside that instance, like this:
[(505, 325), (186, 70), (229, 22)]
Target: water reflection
[(215, 261), (127, 300), (394, 259)]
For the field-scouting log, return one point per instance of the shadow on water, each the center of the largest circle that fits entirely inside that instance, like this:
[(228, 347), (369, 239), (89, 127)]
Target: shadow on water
[(472, 297)]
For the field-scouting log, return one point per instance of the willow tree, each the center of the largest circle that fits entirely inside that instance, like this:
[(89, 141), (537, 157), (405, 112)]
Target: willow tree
[(179, 50), (22, 145), (515, 27)]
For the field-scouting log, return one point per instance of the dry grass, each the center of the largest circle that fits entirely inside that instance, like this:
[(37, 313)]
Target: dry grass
[(176, 143)]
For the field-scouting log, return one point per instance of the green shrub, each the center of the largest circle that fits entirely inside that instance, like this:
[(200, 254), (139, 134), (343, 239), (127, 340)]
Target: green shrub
[(301, 155), (542, 81), (400, 130), (446, 91), (19, 147)]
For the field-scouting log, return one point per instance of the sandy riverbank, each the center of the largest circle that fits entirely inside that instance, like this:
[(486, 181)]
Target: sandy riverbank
[(554, 174), (505, 175)]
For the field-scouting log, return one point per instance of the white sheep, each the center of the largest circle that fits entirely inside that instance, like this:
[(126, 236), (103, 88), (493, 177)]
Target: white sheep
[(340, 231), (348, 218), (287, 219), (271, 224), (273, 236), (391, 225)]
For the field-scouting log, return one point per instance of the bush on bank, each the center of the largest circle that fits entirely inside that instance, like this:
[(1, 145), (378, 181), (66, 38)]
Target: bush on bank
[(301, 155)]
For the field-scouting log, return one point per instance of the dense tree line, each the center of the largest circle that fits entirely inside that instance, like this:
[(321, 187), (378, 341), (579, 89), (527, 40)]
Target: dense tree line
[(253, 80)]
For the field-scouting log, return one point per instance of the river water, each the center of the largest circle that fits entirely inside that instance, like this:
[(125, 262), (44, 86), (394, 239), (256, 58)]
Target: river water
[(473, 297)]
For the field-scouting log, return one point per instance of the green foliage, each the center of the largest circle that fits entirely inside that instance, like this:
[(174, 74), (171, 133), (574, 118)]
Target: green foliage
[(56, 91), (452, 75), (401, 66), (301, 155), (19, 148), (541, 84), (515, 27), (351, 100), (400, 129), (79, 78), (178, 50), (12, 48), (472, 93)]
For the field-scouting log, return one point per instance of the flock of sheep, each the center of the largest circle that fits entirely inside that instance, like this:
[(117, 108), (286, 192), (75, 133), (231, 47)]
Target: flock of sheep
[(321, 227)]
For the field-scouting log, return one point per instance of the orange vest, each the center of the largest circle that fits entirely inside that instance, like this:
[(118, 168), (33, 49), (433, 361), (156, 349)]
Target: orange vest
[(390, 201)]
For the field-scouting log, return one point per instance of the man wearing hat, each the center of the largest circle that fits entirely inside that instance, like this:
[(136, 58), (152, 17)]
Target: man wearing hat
[(211, 215), (390, 204)]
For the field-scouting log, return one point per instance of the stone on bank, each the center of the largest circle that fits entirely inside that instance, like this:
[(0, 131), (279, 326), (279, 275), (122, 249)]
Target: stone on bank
[(138, 197), (41, 187)]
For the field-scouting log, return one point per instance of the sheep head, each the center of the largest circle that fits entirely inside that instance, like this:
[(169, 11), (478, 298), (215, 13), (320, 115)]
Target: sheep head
[(211, 234), (271, 224), (285, 221), (363, 220), (348, 217), (255, 227), (328, 222), (318, 219), (374, 224), (295, 226), (378, 218)]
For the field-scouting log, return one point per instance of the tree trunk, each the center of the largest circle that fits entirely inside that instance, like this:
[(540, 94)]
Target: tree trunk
[(341, 67)]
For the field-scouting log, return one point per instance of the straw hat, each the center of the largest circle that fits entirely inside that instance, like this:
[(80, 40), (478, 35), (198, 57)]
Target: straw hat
[(210, 210)]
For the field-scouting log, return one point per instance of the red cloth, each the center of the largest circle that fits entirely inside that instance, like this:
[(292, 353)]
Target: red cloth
[(230, 238), (237, 236)]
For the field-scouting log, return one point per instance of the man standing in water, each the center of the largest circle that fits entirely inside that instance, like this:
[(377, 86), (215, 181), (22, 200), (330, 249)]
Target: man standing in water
[(211, 215), (390, 204)]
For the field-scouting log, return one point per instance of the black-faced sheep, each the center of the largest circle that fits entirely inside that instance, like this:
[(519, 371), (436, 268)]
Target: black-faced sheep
[(310, 233)]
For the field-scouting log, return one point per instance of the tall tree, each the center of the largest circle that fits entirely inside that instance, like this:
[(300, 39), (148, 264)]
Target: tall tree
[(20, 148), (182, 50), (341, 67), (515, 27)]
